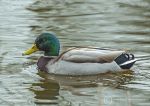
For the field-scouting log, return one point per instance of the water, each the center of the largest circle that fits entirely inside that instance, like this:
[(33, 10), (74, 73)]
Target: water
[(121, 24)]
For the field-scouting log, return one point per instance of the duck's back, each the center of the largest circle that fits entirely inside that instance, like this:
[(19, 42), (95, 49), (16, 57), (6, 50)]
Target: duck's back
[(91, 55)]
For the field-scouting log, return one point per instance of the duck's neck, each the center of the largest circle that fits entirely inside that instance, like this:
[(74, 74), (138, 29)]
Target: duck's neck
[(54, 50), (49, 53)]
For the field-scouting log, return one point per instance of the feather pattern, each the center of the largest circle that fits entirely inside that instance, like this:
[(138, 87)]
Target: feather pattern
[(85, 61), (81, 55)]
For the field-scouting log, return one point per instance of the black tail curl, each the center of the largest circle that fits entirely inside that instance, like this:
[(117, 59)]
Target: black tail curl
[(125, 61)]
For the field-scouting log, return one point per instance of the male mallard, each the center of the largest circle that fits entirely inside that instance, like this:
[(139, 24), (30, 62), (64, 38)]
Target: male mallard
[(78, 61)]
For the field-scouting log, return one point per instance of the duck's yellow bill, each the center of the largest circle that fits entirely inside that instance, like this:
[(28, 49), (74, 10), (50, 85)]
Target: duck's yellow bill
[(31, 50)]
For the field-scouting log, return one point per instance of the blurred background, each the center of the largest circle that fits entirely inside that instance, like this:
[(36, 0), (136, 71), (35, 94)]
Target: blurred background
[(119, 24)]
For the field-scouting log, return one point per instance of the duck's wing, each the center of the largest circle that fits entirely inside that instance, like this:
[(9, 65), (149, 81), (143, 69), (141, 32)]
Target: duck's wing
[(90, 55)]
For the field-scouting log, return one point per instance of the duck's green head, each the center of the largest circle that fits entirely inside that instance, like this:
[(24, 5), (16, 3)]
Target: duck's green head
[(46, 42)]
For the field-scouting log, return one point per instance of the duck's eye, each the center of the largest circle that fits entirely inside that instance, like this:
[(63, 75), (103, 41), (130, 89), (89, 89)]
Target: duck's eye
[(43, 40), (38, 41)]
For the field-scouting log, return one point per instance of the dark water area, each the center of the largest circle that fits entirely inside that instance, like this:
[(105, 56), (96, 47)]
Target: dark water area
[(119, 24)]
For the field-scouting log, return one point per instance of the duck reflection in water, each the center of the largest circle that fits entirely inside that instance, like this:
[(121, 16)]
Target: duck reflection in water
[(59, 89), (46, 91)]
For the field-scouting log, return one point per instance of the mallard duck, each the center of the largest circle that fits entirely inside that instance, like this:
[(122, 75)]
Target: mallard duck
[(78, 60)]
